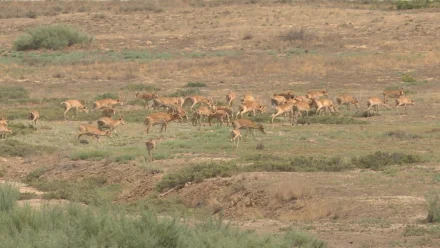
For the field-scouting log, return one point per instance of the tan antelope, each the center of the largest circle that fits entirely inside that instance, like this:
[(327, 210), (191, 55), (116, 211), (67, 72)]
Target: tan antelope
[(146, 97), (4, 130), (227, 109), (404, 101), (34, 116), (317, 93), (235, 136), (248, 125), (160, 118), (287, 94), (391, 94), (108, 112), (247, 98), (323, 104), (178, 110), (108, 102), (347, 100), (277, 100), (299, 109), (282, 109), (201, 114), (166, 102), (248, 106), (303, 99), (151, 145), (109, 123), (73, 104), (221, 116), (93, 131), (193, 100), (3, 121), (230, 97), (375, 102)]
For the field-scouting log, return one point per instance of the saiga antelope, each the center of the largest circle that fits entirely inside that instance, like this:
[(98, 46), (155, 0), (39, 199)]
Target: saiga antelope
[(151, 145), (299, 109), (108, 112), (248, 106), (230, 97), (90, 130), (108, 102), (287, 94), (3, 121), (404, 101), (322, 104), (277, 100), (282, 109), (375, 102), (69, 104), (391, 94), (166, 102), (235, 136), (220, 115), (201, 113), (248, 125), (160, 118), (347, 100), (318, 93), (193, 100), (247, 98), (106, 122), (34, 116), (146, 97)]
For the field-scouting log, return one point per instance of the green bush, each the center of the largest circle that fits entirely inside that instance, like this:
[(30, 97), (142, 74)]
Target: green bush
[(106, 95), (380, 160), (35, 174), (416, 4), (52, 37), (407, 78), (8, 93)]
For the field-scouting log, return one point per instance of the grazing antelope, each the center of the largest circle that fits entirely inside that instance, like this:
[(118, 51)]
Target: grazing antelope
[(282, 109), (151, 145), (69, 104), (34, 116), (248, 125), (178, 110), (108, 102), (277, 100), (230, 97), (404, 101), (109, 123), (146, 97), (193, 100), (347, 100), (391, 94), (220, 115), (375, 102), (4, 130), (166, 102), (287, 94), (201, 113), (299, 109), (247, 98), (108, 112), (235, 136), (248, 106), (322, 104), (161, 118), (93, 131)]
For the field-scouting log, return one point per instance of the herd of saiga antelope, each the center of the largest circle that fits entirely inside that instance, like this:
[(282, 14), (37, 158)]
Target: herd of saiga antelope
[(285, 103)]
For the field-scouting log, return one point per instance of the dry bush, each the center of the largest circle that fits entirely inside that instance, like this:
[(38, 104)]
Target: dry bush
[(298, 34), (290, 191)]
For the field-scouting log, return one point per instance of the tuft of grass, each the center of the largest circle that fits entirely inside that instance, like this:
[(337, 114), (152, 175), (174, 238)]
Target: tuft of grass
[(21, 129), (35, 174), (416, 4), (407, 78), (89, 155), (106, 95), (299, 34), (195, 84), (52, 37), (8, 93)]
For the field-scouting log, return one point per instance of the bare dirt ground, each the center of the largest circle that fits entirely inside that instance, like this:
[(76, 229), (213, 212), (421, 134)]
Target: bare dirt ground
[(355, 47)]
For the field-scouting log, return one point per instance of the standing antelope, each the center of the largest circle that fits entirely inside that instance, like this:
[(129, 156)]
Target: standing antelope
[(69, 104), (282, 109), (375, 102), (151, 145), (108, 102), (193, 100), (34, 116), (347, 100), (200, 114), (220, 115), (391, 94), (146, 97), (303, 99), (235, 136), (230, 97), (178, 110), (161, 118), (106, 122), (299, 109), (248, 106), (108, 112), (90, 130), (404, 101), (227, 109), (248, 125), (322, 104), (4, 130)]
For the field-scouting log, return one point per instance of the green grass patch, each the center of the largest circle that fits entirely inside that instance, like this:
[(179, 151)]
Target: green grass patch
[(88, 154), (408, 78), (15, 148), (21, 129), (35, 174), (11, 93), (106, 96), (195, 84), (381, 160), (8, 197), (416, 4), (52, 37)]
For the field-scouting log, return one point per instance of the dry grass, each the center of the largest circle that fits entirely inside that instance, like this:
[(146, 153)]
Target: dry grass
[(290, 191)]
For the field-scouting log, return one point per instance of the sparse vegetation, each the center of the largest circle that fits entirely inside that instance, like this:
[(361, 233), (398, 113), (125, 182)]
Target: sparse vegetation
[(433, 202), (11, 93), (195, 84), (15, 148), (407, 78), (53, 37), (402, 135), (298, 34), (140, 87), (416, 4)]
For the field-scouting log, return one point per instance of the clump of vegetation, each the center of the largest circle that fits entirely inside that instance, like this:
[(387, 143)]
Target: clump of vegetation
[(380, 160), (35, 174), (195, 84), (140, 87), (21, 129), (52, 37), (188, 92), (14, 148), (195, 173), (407, 78), (8, 197), (433, 208), (416, 4), (89, 155), (8, 93), (300, 34), (402, 135)]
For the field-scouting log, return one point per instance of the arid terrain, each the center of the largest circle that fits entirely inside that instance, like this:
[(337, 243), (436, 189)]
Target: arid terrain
[(249, 47)]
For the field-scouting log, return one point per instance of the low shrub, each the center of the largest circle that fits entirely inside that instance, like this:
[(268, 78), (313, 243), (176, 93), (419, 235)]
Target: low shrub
[(402, 135), (52, 37), (407, 78), (35, 174), (380, 160), (106, 95), (89, 155)]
